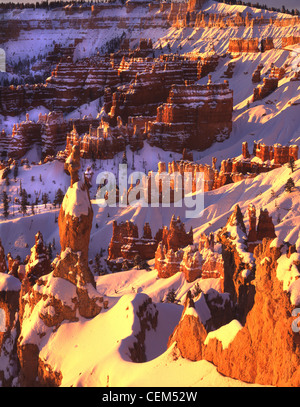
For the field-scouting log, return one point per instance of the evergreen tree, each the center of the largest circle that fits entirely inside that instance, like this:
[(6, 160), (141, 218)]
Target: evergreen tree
[(59, 196), (16, 171), (45, 199), (290, 185), (24, 202), (5, 204), (197, 290), (49, 251), (292, 164), (171, 297), (97, 265)]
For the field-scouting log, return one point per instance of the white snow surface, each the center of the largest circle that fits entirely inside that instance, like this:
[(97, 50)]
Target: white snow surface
[(76, 201), (95, 352), (225, 334), (9, 283)]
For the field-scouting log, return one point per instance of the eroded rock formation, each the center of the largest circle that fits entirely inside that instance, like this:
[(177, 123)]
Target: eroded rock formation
[(270, 83), (65, 292), (3, 265), (194, 116), (176, 253), (9, 328), (267, 332), (126, 244), (39, 263), (238, 45)]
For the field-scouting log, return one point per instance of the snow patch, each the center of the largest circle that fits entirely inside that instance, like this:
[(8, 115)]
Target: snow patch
[(76, 201), (225, 334), (9, 283)]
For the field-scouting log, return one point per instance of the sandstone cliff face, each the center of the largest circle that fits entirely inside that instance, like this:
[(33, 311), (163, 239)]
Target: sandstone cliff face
[(238, 45), (193, 116), (270, 332), (239, 267), (267, 334)]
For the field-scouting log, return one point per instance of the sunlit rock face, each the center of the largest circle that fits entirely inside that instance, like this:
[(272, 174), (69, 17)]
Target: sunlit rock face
[(194, 116), (64, 293)]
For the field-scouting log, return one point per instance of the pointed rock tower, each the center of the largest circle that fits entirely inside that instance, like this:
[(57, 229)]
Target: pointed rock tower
[(75, 224), (190, 333), (66, 293)]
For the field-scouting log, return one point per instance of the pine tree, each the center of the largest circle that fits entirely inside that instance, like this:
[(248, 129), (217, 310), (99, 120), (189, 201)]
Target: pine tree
[(97, 265), (290, 185), (5, 204), (16, 171), (49, 251), (171, 297), (59, 196), (292, 164), (45, 199), (197, 290), (24, 202)]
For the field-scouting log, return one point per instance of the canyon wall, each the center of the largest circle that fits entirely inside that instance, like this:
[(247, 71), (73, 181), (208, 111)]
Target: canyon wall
[(194, 116)]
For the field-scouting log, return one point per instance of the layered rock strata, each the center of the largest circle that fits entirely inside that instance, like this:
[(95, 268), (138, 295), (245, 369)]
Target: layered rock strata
[(194, 116)]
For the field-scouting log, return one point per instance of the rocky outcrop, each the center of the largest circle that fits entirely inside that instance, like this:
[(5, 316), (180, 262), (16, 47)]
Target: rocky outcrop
[(267, 44), (9, 328), (67, 291), (190, 333), (239, 45), (239, 267), (256, 77), (265, 226), (194, 116), (126, 243), (3, 265), (184, 257), (201, 315), (270, 83), (239, 344), (175, 236), (292, 40), (267, 332), (48, 132), (39, 262), (280, 154), (76, 213)]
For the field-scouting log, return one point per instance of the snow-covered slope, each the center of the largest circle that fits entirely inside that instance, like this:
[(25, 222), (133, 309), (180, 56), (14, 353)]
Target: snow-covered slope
[(95, 352)]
